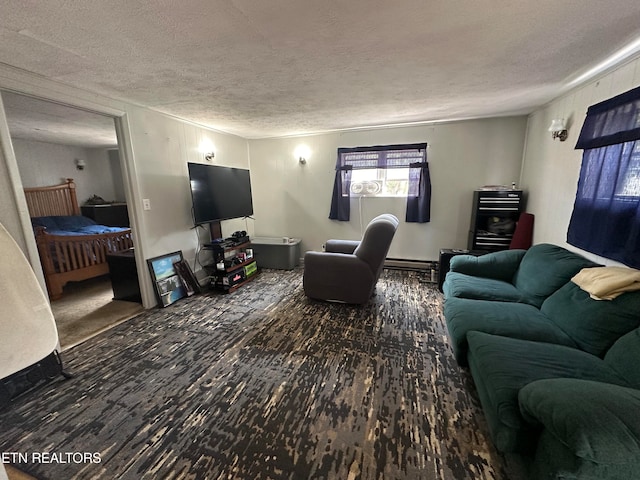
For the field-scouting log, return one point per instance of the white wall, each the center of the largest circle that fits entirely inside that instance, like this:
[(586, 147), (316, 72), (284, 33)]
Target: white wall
[(13, 206), (551, 168), (116, 171), (43, 164), (293, 200), (9, 215), (162, 146)]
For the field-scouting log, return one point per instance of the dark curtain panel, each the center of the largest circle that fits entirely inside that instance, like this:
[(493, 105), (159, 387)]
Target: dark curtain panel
[(606, 212), (419, 197), (413, 156), (340, 201)]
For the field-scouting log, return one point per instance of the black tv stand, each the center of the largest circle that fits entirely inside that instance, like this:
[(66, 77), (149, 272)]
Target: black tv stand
[(220, 243), (233, 266)]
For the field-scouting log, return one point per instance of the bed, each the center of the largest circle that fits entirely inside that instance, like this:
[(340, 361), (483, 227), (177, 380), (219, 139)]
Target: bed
[(71, 247)]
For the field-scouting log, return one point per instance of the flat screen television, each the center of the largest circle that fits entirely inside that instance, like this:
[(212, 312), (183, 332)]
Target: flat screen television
[(219, 193)]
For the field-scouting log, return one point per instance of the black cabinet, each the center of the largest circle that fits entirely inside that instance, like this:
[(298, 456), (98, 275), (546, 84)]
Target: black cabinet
[(493, 219), (111, 214), (124, 276)]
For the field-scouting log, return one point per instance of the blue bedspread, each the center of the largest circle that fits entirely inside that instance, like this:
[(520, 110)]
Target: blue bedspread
[(72, 225)]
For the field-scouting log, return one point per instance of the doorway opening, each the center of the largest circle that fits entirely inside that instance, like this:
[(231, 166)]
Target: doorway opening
[(54, 142)]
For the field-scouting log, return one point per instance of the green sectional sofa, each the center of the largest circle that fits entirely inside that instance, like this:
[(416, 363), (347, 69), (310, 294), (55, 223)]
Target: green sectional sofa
[(556, 371)]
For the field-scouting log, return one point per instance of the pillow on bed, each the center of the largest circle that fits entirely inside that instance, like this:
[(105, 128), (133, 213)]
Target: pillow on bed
[(47, 222), (73, 223)]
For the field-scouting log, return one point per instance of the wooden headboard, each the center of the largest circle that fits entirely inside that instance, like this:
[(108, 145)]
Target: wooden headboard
[(53, 200)]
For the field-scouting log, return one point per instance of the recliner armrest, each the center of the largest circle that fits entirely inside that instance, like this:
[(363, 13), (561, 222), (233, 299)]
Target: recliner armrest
[(341, 246), (596, 421), (500, 265), (336, 276), (336, 264)]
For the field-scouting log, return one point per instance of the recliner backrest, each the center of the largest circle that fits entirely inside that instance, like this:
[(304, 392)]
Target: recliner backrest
[(544, 269), (376, 241)]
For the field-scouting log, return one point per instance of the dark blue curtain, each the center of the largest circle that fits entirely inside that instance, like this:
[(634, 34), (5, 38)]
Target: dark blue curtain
[(412, 156), (419, 196), (606, 212), (340, 204)]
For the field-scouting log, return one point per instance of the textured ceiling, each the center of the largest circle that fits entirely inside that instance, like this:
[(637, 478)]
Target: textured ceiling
[(270, 68), (34, 119)]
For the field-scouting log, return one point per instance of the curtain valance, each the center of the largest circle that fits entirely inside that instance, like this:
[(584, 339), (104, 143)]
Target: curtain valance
[(616, 120), (384, 156)]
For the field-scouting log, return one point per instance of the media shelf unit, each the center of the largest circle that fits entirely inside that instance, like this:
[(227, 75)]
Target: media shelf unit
[(493, 218), (233, 266)]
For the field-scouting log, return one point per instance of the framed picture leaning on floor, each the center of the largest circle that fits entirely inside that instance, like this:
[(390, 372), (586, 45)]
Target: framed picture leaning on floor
[(168, 284)]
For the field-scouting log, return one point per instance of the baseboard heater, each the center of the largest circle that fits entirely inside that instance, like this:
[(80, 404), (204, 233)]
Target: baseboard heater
[(428, 267)]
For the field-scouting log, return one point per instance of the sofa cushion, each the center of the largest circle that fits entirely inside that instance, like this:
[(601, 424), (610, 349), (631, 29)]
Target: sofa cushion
[(594, 420), (501, 366), (517, 320), (594, 325), (500, 265), (461, 285), (624, 357), (544, 269)]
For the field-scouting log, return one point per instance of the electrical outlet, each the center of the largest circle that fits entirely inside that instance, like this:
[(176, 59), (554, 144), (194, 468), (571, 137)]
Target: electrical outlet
[(146, 204)]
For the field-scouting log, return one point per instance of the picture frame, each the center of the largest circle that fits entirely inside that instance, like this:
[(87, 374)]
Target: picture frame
[(189, 280), (168, 284)]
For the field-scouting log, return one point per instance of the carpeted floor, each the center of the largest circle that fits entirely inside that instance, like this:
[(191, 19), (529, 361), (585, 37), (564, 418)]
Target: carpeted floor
[(265, 384), (87, 308)]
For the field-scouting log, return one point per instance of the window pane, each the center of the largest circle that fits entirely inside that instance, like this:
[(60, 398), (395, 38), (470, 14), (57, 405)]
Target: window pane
[(364, 175), (396, 188), (380, 182), (629, 185)]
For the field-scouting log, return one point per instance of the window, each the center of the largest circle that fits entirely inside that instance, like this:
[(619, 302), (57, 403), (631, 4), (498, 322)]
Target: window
[(383, 171), (380, 182), (606, 213)]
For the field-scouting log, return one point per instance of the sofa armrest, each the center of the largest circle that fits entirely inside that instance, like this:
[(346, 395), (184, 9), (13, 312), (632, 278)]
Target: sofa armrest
[(596, 421), (341, 246), (500, 265)]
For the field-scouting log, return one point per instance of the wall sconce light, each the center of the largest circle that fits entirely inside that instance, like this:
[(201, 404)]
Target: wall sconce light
[(207, 149), (302, 153), (80, 164), (558, 129)]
